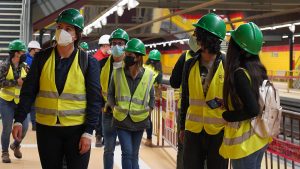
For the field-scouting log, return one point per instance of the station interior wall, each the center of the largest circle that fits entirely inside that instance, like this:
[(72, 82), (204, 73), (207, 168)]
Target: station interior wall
[(275, 58)]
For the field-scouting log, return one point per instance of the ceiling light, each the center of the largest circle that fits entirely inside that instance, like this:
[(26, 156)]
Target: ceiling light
[(120, 11)]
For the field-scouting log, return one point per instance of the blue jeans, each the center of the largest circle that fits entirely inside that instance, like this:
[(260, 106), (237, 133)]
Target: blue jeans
[(110, 136), (130, 145), (32, 116), (7, 109), (252, 161)]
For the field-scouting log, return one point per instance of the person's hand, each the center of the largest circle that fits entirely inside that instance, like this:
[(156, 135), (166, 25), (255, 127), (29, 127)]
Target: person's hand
[(221, 102), (20, 82), (84, 145), (17, 132), (181, 136)]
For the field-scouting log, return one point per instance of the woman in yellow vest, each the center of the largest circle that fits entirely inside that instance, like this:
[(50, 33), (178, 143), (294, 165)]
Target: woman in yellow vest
[(131, 96), (201, 119), (153, 63), (65, 85), (12, 75), (244, 73)]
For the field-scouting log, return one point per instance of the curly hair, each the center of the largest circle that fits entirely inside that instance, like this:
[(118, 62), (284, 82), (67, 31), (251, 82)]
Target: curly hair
[(208, 41)]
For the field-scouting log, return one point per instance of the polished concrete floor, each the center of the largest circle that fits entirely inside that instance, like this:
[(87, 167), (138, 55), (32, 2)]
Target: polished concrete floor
[(154, 158)]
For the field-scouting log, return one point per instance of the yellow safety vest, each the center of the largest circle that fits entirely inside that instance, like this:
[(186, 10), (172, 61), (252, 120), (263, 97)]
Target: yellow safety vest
[(70, 106), (239, 138), (104, 78), (199, 115), (187, 57), (150, 67), (12, 93), (136, 105)]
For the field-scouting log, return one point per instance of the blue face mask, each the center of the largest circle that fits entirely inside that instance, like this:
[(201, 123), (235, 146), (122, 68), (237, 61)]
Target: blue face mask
[(117, 51)]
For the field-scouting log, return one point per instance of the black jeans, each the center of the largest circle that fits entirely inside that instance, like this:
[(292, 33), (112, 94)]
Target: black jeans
[(149, 130), (201, 147), (99, 130), (179, 160), (56, 142)]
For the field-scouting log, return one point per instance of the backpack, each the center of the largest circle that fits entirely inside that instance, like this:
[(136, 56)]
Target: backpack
[(267, 123), (83, 59)]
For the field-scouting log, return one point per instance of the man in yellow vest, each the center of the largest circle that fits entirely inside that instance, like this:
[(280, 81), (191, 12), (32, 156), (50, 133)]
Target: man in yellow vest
[(64, 82), (118, 39), (12, 74), (201, 120), (175, 82)]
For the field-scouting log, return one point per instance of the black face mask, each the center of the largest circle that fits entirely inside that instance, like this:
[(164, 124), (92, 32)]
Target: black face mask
[(129, 61)]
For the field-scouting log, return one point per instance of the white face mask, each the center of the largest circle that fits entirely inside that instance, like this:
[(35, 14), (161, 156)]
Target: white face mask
[(63, 38), (117, 65), (117, 51), (193, 44)]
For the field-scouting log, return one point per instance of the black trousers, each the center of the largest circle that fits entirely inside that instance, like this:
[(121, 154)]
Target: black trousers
[(201, 147), (56, 142)]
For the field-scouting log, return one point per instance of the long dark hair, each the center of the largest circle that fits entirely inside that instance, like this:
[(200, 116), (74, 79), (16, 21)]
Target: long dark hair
[(238, 58), (155, 63), (12, 54)]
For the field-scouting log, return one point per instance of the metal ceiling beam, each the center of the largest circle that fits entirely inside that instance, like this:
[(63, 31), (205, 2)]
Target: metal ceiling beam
[(250, 18), (274, 5), (197, 7), (40, 24)]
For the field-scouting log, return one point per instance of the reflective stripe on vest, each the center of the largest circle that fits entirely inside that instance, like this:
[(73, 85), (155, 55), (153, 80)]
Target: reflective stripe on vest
[(12, 93), (199, 115), (104, 77), (137, 105), (188, 56), (54, 112), (64, 96), (70, 106), (240, 139), (134, 112)]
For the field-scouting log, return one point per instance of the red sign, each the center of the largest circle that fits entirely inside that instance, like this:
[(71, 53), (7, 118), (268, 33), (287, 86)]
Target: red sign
[(285, 149)]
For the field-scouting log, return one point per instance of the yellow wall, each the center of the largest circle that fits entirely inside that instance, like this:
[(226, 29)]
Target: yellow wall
[(169, 61), (277, 60), (273, 61)]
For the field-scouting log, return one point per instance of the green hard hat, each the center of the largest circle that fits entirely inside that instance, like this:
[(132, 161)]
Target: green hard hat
[(249, 37), (154, 54), (135, 45), (84, 45), (119, 34), (71, 16), (213, 24), (17, 45)]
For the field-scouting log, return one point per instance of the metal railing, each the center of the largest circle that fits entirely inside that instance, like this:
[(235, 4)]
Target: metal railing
[(283, 152), (291, 77), (25, 21)]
